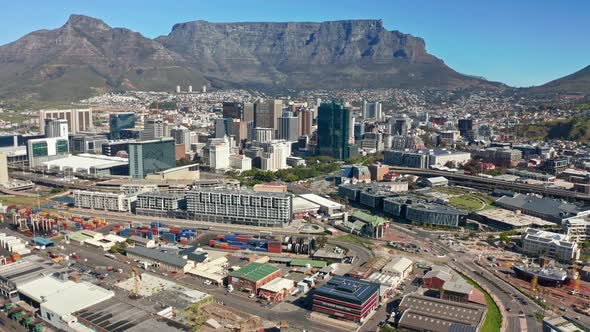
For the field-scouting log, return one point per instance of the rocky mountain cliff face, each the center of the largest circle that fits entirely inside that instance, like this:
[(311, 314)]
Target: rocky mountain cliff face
[(86, 56)]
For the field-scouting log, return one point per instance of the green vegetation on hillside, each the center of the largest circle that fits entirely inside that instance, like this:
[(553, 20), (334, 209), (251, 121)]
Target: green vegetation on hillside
[(574, 129)]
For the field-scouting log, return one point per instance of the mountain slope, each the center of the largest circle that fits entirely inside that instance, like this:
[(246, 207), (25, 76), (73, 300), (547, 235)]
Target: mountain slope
[(300, 55), (86, 56), (576, 83), (83, 57)]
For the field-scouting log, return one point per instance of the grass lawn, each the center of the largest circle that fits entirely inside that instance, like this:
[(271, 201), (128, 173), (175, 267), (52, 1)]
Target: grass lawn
[(21, 201), (493, 320), (450, 190), (471, 202), (354, 239)]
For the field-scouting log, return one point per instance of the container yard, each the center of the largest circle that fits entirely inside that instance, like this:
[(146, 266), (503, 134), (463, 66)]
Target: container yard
[(264, 243), (160, 231), (33, 222)]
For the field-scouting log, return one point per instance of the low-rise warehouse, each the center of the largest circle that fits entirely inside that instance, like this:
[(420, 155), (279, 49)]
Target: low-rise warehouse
[(327, 206), (423, 313), (253, 276), (276, 290), (58, 298), (401, 267), (156, 256), (508, 220)]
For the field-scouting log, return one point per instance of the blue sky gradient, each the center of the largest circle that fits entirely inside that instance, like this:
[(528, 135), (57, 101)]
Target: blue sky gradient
[(520, 43)]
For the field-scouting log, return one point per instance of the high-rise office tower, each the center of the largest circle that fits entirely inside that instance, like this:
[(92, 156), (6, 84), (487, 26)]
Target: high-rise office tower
[(465, 127), (248, 112), (223, 127), (153, 129), (232, 110), (266, 114), (150, 156), (56, 128), (182, 136), (372, 111), (334, 130), (359, 131), (262, 134), (305, 121), (118, 122), (399, 126), (239, 131), (288, 127)]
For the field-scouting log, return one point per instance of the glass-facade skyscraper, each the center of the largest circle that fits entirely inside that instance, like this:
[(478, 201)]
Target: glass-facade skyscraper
[(151, 156), (333, 130), (118, 122)]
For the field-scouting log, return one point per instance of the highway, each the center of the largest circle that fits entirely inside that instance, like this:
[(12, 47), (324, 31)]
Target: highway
[(491, 183)]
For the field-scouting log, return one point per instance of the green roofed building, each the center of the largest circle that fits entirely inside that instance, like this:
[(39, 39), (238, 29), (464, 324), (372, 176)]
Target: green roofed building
[(368, 224), (305, 262), (253, 276)]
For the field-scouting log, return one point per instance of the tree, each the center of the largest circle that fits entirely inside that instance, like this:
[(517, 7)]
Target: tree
[(321, 241)]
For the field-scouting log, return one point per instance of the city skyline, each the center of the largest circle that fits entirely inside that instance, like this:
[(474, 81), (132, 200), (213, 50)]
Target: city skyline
[(499, 41)]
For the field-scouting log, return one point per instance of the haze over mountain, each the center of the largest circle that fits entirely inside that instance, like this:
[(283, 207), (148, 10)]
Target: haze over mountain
[(86, 56)]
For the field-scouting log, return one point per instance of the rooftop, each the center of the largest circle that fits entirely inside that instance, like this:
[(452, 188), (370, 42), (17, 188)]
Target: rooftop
[(116, 316), (433, 314), (513, 218), (64, 297), (321, 201), (159, 256), (369, 218), (255, 271), (545, 206), (27, 269), (278, 285), (87, 161), (348, 289), (300, 204), (548, 237)]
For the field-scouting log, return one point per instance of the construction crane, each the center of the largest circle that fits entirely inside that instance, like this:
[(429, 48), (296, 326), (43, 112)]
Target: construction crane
[(136, 281)]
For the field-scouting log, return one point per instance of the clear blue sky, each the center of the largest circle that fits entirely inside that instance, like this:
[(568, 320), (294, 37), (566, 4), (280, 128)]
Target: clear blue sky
[(518, 42)]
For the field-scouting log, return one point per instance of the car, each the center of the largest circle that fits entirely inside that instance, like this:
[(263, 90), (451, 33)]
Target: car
[(251, 295)]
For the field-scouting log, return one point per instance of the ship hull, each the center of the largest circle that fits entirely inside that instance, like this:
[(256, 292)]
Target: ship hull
[(543, 279)]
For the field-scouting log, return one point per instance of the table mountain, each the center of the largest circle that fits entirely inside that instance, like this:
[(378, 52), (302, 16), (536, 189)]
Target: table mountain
[(86, 56)]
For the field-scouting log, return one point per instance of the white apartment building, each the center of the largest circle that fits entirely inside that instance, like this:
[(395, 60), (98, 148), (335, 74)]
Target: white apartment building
[(137, 188), (153, 129), (240, 207), (78, 119), (240, 162), (540, 243), (216, 153), (158, 201), (56, 128), (577, 229), (275, 155), (103, 201), (441, 157)]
